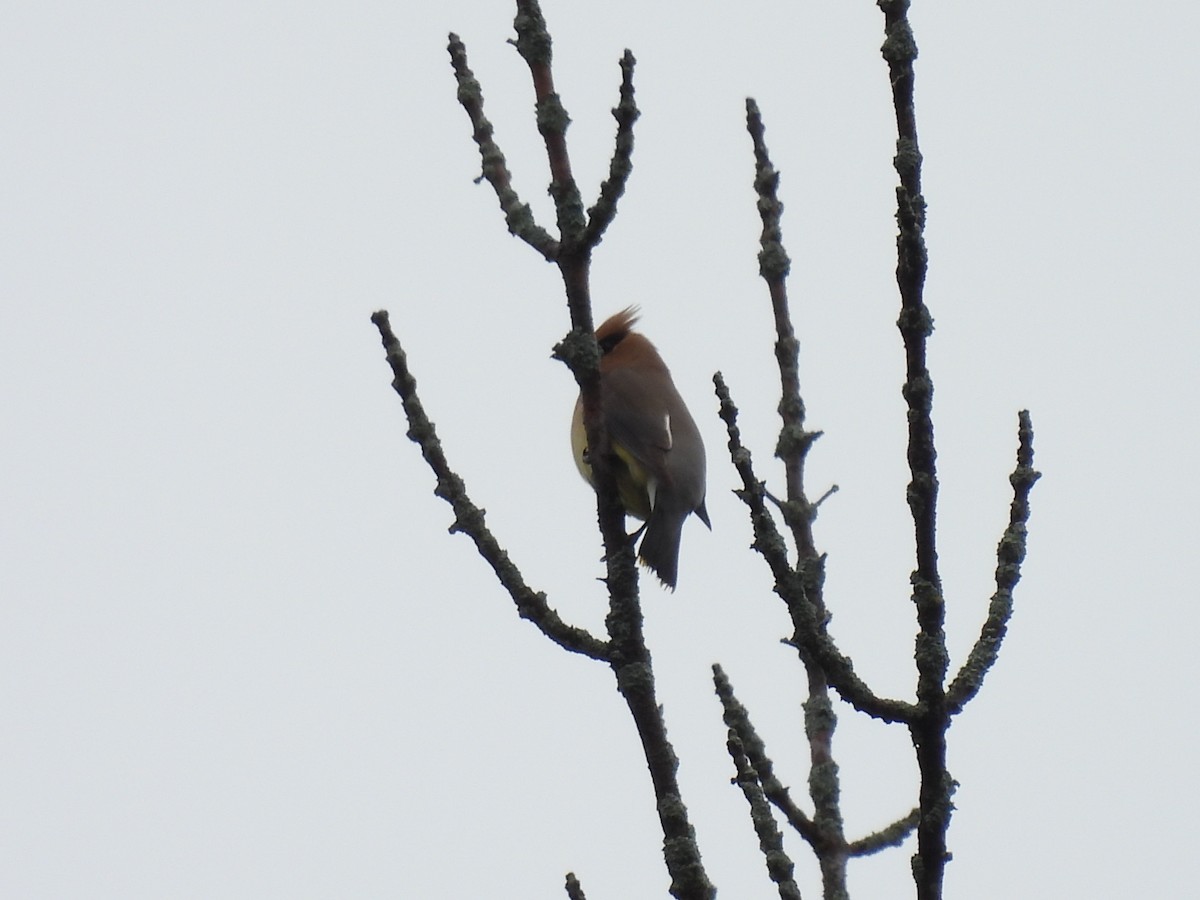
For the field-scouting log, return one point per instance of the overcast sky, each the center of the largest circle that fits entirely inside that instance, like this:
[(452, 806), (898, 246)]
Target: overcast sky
[(240, 657)]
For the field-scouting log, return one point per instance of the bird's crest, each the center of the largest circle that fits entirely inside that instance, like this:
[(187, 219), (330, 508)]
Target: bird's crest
[(616, 327)]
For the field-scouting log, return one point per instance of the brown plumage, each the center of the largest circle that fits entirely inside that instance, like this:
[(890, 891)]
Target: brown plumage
[(659, 454)]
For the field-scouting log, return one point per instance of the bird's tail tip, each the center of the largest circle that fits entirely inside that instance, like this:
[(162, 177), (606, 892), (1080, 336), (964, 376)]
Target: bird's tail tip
[(660, 554)]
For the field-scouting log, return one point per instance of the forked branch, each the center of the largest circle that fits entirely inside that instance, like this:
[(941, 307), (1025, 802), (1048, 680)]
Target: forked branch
[(578, 234)]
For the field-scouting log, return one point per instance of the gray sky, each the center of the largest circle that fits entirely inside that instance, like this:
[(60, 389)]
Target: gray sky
[(239, 655)]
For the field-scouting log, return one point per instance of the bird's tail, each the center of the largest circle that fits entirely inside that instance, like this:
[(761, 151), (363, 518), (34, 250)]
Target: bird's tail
[(660, 546)]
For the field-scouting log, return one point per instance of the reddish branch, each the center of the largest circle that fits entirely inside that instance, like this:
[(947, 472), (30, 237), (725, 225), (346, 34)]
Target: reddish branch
[(578, 234)]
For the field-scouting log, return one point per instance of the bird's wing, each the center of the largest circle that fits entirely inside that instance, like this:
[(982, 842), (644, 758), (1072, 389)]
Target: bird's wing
[(634, 420)]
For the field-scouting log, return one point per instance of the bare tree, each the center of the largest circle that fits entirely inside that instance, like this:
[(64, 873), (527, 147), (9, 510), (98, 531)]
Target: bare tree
[(799, 572)]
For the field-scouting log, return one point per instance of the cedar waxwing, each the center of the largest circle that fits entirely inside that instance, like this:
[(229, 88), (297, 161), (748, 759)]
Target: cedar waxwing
[(659, 455)]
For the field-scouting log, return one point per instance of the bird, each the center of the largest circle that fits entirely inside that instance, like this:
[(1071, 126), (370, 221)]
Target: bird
[(658, 454)]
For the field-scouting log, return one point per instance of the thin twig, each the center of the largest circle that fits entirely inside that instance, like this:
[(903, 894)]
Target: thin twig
[(769, 542), (774, 265), (574, 888), (892, 836), (626, 113), (469, 518), (517, 215), (1009, 555), (534, 44), (737, 719), (780, 867)]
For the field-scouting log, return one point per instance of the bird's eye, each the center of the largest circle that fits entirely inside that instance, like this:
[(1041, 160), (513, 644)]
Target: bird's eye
[(609, 341)]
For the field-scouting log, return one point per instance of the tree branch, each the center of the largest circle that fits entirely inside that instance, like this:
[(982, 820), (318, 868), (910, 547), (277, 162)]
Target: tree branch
[(779, 865), (469, 518), (626, 113), (534, 44), (807, 609), (574, 888), (915, 323), (737, 719), (788, 585), (517, 215), (627, 652), (892, 836), (1009, 555), (774, 266)]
